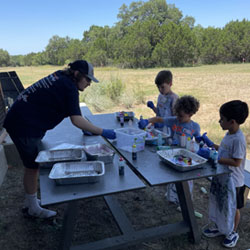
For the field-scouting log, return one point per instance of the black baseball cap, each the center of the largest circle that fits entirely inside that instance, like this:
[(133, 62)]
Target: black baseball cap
[(84, 67)]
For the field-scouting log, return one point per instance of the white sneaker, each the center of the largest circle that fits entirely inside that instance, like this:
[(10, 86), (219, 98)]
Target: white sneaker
[(42, 213), (231, 240), (211, 232)]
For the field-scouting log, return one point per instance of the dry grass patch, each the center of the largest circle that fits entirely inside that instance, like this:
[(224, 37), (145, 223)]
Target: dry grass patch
[(212, 85)]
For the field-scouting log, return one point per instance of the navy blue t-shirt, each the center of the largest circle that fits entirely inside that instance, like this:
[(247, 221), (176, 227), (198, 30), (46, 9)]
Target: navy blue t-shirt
[(43, 105)]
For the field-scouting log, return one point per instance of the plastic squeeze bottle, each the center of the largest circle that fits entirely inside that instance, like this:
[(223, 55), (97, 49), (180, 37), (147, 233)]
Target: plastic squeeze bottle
[(121, 166), (159, 140), (188, 143), (183, 140), (121, 119), (214, 157), (192, 146), (130, 123), (134, 153)]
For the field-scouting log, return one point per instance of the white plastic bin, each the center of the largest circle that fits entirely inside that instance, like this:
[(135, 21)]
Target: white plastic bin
[(127, 136)]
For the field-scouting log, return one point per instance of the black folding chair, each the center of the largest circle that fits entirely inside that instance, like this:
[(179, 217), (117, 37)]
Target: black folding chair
[(11, 86)]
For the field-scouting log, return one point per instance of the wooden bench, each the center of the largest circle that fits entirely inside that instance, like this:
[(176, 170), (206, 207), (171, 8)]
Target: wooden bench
[(247, 173)]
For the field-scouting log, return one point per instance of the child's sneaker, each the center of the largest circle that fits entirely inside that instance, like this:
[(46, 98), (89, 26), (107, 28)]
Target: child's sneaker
[(211, 232), (231, 240)]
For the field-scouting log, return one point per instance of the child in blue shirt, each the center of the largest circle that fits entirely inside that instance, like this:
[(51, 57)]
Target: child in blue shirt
[(166, 98), (184, 108), (227, 191)]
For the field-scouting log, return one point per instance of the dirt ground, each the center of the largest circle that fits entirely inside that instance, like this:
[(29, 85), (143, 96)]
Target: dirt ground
[(95, 221)]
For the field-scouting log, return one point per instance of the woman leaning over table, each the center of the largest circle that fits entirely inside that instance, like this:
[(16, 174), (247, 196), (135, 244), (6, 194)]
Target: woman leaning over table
[(40, 108)]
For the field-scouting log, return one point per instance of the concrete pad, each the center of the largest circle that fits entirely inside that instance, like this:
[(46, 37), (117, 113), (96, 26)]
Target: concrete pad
[(11, 154)]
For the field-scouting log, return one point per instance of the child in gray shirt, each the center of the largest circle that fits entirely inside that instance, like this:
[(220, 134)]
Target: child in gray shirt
[(227, 191)]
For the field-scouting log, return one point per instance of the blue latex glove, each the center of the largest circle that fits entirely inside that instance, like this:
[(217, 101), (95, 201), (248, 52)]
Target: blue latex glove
[(207, 140), (150, 104), (204, 152), (198, 139), (142, 123), (108, 133), (218, 158), (159, 125)]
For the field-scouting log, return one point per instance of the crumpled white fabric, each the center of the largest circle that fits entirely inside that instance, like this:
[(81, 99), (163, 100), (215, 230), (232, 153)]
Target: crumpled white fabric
[(222, 203), (66, 146)]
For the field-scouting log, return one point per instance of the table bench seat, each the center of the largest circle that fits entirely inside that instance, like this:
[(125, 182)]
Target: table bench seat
[(247, 173)]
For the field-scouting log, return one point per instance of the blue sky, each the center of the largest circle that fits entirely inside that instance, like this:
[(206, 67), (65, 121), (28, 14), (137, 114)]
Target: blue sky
[(27, 25)]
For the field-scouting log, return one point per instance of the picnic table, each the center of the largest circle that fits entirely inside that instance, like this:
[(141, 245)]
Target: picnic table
[(147, 170)]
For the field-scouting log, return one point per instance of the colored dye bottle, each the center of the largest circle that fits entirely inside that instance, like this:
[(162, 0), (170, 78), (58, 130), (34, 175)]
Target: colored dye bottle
[(159, 140), (134, 152), (121, 164), (121, 119), (214, 157), (183, 140)]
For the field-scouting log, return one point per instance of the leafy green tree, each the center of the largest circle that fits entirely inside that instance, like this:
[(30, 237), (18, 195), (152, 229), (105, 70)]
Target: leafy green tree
[(40, 58), (173, 15), (177, 48), (135, 47), (28, 59), (75, 50), (198, 33), (17, 60), (211, 46), (98, 45), (189, 21), (4, 58), (158, 10), (98, 57), (56, 50), (236, 40), (147, 34)]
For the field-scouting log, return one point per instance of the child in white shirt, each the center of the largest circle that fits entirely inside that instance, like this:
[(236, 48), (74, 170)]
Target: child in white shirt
[(227, 191)]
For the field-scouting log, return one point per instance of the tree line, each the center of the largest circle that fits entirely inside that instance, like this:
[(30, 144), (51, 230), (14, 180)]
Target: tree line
[(147, 34)]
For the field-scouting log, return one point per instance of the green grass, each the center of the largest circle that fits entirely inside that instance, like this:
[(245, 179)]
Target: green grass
[(213, 85)]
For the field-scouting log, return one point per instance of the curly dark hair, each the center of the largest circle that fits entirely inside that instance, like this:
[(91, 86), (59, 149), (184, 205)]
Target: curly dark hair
[(235, 110), (188, 104)]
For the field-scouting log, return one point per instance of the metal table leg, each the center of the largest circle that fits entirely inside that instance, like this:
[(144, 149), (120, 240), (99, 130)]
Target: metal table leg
[(68, 225), (187, 209)]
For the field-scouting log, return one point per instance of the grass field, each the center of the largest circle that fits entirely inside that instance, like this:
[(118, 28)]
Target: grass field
[(212, 85)]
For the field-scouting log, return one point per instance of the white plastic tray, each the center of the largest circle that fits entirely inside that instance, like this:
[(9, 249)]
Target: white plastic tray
[(170, 156), (99, 152), (126, 137)]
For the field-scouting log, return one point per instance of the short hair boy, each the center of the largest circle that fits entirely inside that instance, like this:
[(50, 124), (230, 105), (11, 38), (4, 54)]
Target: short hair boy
[(227, 191), (166, 98)]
